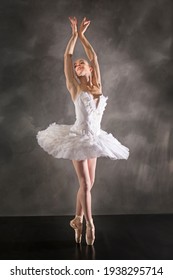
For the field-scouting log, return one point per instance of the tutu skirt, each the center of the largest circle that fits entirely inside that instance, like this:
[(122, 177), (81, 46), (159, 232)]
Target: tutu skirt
[(58, 141)]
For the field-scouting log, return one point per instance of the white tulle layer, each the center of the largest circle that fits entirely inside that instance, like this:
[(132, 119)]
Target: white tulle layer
[(57, 141)]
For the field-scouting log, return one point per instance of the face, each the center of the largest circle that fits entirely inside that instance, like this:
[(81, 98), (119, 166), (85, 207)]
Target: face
[(82, 67)]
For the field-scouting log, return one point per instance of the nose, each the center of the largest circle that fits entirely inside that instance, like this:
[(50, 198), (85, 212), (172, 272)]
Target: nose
[(78, 66)]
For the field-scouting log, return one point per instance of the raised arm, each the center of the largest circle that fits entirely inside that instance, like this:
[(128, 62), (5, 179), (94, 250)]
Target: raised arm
[(71, 82), (91, 54)]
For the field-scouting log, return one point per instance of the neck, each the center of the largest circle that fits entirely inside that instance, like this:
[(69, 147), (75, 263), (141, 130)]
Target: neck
[(86, 80)]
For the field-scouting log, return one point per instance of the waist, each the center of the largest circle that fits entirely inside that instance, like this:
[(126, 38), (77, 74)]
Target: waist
[(85, 128)]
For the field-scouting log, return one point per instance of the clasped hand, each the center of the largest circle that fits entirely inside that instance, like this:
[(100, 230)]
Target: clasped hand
[(83, 27)]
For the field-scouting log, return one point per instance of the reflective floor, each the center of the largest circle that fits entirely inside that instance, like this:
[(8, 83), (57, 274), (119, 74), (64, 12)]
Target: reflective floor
[(117, 237)]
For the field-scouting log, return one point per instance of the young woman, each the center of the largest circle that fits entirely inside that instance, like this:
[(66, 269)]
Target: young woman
[(84, 141)]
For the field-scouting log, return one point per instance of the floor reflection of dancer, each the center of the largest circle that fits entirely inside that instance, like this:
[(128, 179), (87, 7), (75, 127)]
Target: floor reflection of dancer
[(84, 141)]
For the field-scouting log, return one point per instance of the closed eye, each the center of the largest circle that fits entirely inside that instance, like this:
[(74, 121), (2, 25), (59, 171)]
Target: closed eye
[(81, 62)]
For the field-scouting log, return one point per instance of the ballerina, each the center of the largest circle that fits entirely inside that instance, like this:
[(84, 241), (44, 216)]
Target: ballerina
[(84, 141)]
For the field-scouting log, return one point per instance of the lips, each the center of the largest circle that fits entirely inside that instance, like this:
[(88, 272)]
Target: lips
[(79, 69)]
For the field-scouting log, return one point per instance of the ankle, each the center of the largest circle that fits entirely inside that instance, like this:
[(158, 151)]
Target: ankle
[(90, 232), (90, 223), (79, 218)]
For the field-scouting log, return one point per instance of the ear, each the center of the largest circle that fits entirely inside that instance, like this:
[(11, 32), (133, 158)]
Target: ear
[(91, 69)]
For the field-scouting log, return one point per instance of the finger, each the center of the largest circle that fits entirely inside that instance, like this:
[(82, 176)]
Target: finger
[(71, 20), (87, 22), (75, 20), (84, 19)]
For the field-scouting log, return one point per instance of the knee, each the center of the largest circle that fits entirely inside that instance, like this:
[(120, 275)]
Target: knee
[(85, 184), (92, 181)]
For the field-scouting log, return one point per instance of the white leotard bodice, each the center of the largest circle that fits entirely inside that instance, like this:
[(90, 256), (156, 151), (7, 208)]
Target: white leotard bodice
[(88, 114)]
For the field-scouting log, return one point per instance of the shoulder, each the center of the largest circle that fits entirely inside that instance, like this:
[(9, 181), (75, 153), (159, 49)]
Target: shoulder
[(96, 89)]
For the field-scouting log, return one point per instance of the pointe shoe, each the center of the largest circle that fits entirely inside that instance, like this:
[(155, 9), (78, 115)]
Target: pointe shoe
[(90, 233), (77, 225)]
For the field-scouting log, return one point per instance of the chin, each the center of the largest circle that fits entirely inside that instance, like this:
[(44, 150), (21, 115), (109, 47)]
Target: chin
[(81, 75)]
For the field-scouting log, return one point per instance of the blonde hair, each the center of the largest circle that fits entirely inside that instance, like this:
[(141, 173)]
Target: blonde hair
[(82, 58)]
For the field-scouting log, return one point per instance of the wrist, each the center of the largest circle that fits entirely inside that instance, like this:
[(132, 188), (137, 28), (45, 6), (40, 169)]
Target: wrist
[(75, 34), (81, 35)]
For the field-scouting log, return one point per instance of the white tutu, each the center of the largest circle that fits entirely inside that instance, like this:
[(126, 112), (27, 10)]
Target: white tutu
[(84, 139)]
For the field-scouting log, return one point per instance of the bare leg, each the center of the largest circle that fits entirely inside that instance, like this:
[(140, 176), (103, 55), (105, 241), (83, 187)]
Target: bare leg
[(85, 171), (84, 195), (91, 168)]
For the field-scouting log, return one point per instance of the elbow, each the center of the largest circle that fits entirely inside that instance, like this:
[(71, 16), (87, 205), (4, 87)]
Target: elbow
[(94, 56), (67, 55)]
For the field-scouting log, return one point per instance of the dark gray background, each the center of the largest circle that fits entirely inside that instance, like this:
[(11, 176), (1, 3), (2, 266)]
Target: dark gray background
[(134, 43)]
